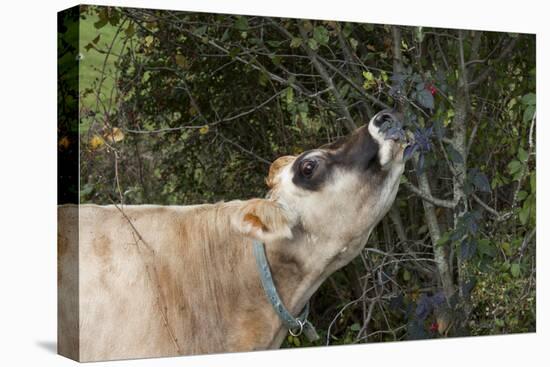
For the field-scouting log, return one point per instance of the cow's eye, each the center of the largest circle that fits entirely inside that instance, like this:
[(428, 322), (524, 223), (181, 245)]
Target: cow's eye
[(307, 167)]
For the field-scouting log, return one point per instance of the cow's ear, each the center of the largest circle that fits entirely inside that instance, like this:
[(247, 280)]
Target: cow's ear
[(272, 179), (264, 220)]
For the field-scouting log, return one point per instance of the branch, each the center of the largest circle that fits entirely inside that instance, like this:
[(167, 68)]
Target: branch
[(463, 71), (225, 119), (355, 86), (499, 217), (474, 130), (226, 52), (429, 198), (263, 160), (350, 124), (505, 52), (526, 242), (525, 166)]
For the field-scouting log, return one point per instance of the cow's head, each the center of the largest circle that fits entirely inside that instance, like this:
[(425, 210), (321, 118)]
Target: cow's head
[(331, 197)]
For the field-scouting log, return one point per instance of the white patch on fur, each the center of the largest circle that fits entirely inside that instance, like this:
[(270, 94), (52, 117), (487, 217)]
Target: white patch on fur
[(385, 151)]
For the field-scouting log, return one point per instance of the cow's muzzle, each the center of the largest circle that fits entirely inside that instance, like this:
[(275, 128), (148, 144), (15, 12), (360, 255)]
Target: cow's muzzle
[(390, 124)]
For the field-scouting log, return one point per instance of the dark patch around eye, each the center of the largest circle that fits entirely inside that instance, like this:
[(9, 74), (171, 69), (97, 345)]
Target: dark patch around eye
[(320, 174), (356, 152)]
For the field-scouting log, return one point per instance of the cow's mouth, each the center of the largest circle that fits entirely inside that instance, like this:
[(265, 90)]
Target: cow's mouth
[(393, 128)]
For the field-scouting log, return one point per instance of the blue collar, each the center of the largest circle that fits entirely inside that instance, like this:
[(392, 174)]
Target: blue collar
[(295, 325)]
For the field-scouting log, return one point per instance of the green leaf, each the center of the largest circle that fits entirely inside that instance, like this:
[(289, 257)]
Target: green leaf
[(130, 30), (312, 43), (530, 99), (101, 23), (276, 59), (528, 114), (425, 98), (233, 51), (86, 190), (320, 34), (368, 76), (522, 195), (514, 166), (149, 41), (289, 95), (354, 43), (241, 24), (524, 214), (443, 239), (467, 249), (454, 155), (181, 61), (481, 182), (505, 246), (484, 247), (114, 18), (200, 31), (515, 270), (274, 43), (522, 155), (406, 275), (296, 42), (355, 327), (303, 107)]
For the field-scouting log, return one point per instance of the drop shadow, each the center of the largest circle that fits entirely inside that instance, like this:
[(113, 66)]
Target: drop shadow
[(49, 345)]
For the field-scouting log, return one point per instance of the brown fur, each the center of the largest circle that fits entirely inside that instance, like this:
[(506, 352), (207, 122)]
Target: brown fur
[(199, 277), (272, 179)]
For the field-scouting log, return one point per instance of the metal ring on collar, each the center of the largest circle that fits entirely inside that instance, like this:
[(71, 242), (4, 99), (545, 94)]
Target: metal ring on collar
[(301, 324)]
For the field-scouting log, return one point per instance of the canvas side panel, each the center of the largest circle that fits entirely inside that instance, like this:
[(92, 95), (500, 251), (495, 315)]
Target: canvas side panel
[(67, 183)]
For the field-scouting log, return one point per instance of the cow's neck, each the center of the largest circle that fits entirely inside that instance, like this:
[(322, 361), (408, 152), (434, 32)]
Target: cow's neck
[(297, 275)]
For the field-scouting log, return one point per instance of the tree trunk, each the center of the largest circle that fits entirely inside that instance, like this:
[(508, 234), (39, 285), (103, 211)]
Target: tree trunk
[(440, 252)]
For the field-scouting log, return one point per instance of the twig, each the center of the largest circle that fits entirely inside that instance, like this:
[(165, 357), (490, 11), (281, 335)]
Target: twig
[(350, 124), (435, 201), (263, 160), (225, 119), (526, 242), (526, 164), (499, 217)]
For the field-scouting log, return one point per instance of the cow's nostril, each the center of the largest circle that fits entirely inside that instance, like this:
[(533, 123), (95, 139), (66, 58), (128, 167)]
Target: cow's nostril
[(382, 118), (386, 117)]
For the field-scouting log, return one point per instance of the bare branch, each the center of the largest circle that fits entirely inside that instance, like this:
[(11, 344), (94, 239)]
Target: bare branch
[(425, 196), (225, 119), (263, 160), (485, 74), (350, 124), (526, 164), (499, 217)]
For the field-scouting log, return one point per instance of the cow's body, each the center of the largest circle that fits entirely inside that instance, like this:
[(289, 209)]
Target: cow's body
[(172, 280), (189, 286)]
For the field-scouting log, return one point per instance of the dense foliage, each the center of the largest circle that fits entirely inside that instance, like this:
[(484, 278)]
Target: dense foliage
[(198, 105)]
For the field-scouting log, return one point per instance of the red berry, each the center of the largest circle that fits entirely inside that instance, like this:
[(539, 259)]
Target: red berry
[(434, 327)]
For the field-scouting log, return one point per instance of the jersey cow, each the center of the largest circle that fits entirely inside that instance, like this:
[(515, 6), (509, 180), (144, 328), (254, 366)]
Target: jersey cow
[(149, 281)]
